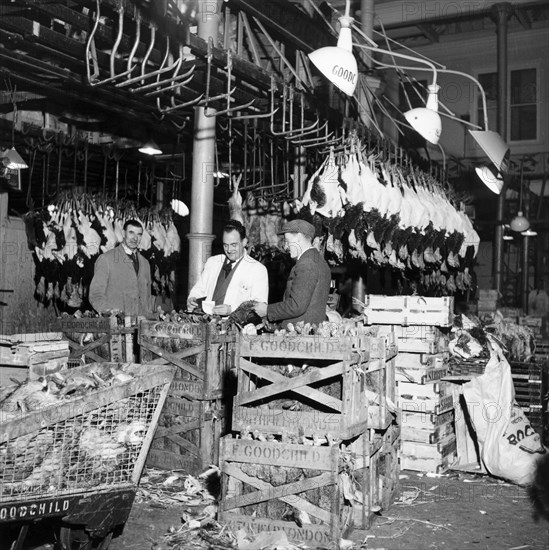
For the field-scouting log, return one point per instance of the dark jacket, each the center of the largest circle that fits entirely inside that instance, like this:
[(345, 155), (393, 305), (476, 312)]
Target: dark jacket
[(306, 291), (115, 284)]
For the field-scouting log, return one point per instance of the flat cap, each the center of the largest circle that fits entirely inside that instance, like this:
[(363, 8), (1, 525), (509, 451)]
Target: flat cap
[(299, 226)]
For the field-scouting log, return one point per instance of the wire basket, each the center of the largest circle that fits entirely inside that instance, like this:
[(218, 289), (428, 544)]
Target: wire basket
[(93, 442)]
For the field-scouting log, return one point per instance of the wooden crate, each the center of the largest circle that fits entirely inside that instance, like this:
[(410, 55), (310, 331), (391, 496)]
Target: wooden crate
[(195, 414), (408, 310), (421, 368), (340, 487), (346, 392), (417, 339), (109, 341), (437, 465), (33, 358)]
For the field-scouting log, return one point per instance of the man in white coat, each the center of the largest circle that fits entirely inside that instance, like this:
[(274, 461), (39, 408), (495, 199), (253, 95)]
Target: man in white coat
[(233, 277)]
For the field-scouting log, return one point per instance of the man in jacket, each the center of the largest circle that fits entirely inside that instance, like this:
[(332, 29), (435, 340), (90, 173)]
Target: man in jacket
[(233, 277), (308, 285), (122, 277)]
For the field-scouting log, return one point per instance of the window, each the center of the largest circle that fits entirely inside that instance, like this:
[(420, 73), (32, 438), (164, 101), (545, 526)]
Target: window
[(523, 109), (523, 102)]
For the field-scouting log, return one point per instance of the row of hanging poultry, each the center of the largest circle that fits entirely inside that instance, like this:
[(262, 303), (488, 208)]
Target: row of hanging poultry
[(68, 236), (389, 215)]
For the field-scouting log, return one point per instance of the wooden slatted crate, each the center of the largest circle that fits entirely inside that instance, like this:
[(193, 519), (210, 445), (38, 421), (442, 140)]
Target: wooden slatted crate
[(344, 393), (408, 310), (340, 487), (98, 339), (195, 413)]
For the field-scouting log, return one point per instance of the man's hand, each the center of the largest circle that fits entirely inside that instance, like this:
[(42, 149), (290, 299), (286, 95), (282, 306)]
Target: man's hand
[(191, 303), (223, 309), (261, 309)]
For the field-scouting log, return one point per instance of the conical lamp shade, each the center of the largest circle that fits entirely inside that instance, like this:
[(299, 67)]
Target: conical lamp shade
[(337, 63), (519, 223), (426, 123), (13, 160), (490, 178), (495, 148), (338, 66)]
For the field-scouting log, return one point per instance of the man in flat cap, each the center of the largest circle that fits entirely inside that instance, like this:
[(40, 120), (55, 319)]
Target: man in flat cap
[(308, 285)]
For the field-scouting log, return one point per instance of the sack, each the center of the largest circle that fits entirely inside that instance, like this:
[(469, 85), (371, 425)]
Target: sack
[(509, 446)]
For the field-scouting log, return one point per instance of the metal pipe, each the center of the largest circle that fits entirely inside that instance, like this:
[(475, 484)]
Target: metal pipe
[(501, 14), (367, 21), (201, 215), (525, 274)]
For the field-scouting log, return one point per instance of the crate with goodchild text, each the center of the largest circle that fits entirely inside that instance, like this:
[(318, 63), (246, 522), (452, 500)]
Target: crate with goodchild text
[(317, 491), (194, 416), (87, 436), (312, 385), (408, 310), (96, 339)]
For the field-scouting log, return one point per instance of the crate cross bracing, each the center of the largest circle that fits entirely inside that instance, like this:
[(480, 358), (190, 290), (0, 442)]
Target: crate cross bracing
[(75, 446), (194, 416), (344, 397)]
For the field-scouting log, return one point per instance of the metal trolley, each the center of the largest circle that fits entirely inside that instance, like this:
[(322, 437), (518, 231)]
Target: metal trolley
[(76, 465)]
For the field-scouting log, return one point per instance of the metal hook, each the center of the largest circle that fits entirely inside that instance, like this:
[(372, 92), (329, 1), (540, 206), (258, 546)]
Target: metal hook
[(175, 83), (226, 96), (89, 43), (114, 49), (163, 69)]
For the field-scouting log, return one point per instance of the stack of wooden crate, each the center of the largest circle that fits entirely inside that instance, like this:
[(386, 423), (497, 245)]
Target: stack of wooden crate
[(487, 302), (32, 355), (426, 402), (195, 413), (316, 450)]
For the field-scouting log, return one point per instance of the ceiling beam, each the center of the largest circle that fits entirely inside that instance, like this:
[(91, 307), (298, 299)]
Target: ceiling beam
[(429, 31), (289, 23)]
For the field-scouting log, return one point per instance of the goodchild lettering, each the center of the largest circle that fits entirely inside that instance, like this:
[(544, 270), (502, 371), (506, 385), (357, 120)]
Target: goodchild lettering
[(34, 510), (318, 536), (281, 455), (300, 344), (177, 330)]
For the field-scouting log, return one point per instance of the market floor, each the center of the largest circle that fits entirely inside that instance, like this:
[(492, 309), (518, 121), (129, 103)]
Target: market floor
[(452, 512)]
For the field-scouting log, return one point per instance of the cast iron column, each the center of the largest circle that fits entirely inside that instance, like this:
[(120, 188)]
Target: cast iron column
[(201, 220), (367, 26), (501, 14)]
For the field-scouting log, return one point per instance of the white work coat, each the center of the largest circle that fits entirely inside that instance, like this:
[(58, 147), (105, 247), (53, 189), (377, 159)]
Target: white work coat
[(250, 281)]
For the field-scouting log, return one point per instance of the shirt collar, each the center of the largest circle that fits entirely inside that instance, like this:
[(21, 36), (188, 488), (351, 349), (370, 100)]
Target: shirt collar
[(127, 250)]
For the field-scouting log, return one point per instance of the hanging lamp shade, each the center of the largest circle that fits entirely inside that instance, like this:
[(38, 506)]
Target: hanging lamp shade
[(179, 207), (150, 148), (426, 120), (495, 148), (13, 160), (519, 223), (337, 63), (490, 177)]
